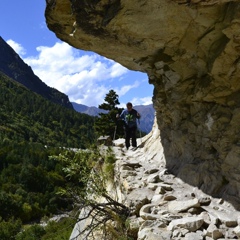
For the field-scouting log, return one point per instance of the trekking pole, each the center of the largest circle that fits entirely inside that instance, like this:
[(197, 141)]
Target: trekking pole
[(140, 133), (115, 133)]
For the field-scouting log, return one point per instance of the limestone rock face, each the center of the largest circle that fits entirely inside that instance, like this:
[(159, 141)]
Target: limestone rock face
[(191, 53)]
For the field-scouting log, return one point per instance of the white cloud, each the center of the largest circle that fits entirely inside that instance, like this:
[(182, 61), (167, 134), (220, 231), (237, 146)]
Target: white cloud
[(124, 89), (84, 78), (138, 101), (117, 70), (141, 101), (18, 48)]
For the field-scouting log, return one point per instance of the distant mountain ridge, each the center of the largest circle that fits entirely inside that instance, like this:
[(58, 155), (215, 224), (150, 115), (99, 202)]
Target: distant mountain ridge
[(145, 123), (92, 111), (14, 67), (147, 117)]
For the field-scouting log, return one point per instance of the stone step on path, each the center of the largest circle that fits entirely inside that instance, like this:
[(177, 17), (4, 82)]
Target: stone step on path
[(164, 207)]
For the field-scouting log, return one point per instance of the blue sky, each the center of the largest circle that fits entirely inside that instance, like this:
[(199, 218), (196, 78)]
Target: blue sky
[(85, 77)]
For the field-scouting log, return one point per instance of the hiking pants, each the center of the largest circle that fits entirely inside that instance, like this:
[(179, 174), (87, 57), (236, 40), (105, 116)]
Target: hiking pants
[(130, 133)]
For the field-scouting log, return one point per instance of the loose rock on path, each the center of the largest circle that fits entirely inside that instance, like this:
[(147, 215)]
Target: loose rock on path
[(163, 206)]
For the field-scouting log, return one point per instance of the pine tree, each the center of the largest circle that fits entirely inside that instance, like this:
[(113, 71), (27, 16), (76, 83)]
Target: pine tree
[(107, 122)]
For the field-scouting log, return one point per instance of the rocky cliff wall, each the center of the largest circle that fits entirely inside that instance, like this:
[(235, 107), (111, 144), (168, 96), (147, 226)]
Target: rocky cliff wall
[(190, 51)]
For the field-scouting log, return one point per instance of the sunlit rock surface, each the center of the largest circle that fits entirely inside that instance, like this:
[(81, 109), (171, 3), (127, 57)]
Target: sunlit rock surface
[(191, 53)]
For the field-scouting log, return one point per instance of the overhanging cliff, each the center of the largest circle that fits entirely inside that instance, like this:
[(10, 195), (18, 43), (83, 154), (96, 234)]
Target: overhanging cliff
[(191, 53)]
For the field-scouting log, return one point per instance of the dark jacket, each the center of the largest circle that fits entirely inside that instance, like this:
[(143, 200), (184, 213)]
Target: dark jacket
[(130, 118)]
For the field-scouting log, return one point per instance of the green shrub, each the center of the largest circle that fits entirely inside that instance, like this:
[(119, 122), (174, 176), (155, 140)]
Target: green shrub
[(9, 229), (34, 232), (90, 193)]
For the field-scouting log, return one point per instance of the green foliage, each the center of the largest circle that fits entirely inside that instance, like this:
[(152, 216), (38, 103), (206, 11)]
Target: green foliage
[(111, 100), (8, 229), (90, 193), (77, 168), (109, 156), (53, 231), (106, 124), (32, 233), (59, 230), (32, 129), (26, 116), (32, 185), (109, 163), (29, 181)]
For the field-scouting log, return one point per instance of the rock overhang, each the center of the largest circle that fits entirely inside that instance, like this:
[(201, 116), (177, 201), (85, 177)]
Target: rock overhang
[(190, 51)]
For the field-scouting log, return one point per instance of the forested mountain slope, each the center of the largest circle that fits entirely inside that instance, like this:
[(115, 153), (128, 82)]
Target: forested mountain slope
[(32, 129), (26, 116), (13, 66)]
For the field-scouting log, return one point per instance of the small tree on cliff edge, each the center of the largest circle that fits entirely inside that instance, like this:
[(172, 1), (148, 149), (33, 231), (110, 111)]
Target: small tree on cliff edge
[(106, 123)]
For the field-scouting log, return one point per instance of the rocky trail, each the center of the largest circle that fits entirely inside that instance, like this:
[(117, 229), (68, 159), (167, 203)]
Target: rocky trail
[(190, 51), (164, 206)]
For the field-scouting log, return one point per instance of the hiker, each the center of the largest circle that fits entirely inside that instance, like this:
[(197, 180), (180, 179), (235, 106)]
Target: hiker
[(130, 116)]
